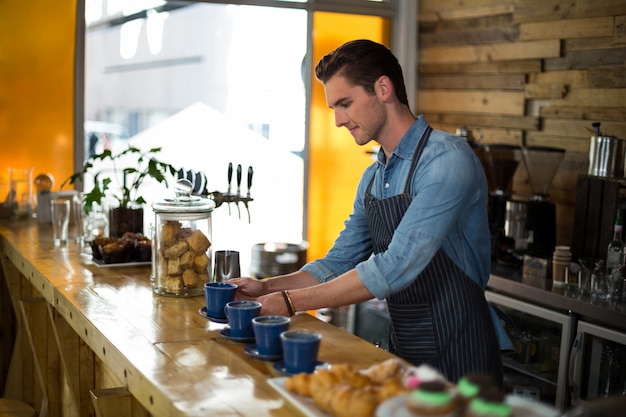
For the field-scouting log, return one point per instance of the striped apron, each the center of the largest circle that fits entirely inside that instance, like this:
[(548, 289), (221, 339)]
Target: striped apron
[(441, 318)]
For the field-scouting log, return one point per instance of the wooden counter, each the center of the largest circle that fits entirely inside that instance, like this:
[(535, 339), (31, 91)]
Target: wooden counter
[(94, 328)]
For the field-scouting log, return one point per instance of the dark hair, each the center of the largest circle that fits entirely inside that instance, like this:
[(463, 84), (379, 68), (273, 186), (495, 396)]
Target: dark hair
[(362, 62)]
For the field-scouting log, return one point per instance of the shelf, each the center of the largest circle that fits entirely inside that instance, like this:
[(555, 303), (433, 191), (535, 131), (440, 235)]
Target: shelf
[(531, 369)]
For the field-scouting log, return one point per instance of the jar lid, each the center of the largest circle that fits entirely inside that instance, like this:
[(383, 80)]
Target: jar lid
[(184, 202)]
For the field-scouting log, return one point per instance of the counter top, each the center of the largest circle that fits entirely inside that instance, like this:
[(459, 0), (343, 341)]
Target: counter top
[(509, 281), (172, 360)]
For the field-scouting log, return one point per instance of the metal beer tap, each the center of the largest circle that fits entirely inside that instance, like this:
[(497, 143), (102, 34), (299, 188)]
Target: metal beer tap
[(230, 178), (247, 198), (238, 188), (219, 198)]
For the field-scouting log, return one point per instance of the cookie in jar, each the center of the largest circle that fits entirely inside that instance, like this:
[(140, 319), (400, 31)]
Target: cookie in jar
[(183, 246)]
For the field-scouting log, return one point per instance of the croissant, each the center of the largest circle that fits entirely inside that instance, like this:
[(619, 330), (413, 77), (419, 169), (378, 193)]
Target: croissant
[(345, 374), (323, 397), (341, 391), (389, 389), (300, 384), (343, 371), (322, 379), (390, 369), (348, 401)]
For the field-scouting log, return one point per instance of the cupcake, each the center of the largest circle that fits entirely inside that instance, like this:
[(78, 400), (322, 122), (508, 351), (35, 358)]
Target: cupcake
[(112, 253), (423, 373), (489, 403), (432, 398), (97, 243), (471, 385), (143, 250)]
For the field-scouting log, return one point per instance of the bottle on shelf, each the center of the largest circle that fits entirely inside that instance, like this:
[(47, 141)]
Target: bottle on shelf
[(616, 247), (617, 282)]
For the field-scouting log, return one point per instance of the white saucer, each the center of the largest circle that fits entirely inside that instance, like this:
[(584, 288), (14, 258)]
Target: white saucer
[(205, 314), (252, 350), (280, 367), (226, 335)]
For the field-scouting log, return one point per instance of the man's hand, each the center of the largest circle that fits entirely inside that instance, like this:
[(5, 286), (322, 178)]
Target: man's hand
[(248, 288), (273, 304)]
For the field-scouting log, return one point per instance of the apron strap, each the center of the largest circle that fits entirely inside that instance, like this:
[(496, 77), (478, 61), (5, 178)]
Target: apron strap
[(416, 156)]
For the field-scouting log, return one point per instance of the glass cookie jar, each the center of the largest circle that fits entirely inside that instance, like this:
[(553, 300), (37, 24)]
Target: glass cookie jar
[(182, 244)]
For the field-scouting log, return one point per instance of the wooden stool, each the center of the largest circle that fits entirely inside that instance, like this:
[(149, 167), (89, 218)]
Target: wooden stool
[(14, 408)]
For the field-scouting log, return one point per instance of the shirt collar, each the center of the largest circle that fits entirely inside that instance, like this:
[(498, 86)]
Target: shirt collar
[(408, 144)]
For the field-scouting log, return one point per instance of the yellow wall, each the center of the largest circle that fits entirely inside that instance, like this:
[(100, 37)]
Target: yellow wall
[(37, 86), (336, 162)]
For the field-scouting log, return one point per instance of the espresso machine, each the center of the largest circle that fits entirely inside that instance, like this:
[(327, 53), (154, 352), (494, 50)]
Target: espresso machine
[(541, 163), (499, 161)]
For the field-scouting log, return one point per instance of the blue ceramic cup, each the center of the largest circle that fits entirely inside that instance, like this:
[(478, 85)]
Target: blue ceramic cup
[(240, 315), (300, 349), (267, 330), (217, 295)]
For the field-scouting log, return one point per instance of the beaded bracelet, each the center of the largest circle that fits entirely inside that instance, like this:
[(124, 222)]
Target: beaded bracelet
[(289, 303)]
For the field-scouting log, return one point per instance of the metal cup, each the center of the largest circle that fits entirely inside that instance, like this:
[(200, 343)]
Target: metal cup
[(226, 265)]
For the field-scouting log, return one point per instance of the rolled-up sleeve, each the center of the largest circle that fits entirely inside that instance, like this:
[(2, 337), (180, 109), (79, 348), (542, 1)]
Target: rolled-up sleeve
[(446, 184)]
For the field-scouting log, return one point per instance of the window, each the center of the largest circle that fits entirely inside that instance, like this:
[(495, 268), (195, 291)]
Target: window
[(213, 83), (210, 84)]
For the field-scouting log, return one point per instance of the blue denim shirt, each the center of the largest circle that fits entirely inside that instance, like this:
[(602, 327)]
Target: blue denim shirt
[(449, 211)]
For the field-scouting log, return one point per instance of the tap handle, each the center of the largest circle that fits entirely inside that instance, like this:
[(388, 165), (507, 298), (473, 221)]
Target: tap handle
[(238, 178), (596, 128), (250, 172), (230, 175)]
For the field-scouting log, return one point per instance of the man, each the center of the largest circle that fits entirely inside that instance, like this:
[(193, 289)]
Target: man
[(418, 235)]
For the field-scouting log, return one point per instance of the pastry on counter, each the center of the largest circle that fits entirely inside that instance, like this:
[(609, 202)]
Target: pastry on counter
[(489, 403), (131, 247), (342, 391), (432, 398), (471, 385)]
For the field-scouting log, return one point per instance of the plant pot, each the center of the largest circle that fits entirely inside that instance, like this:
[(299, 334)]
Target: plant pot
[(122, 220)]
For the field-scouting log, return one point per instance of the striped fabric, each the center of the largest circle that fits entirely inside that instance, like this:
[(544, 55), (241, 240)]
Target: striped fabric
[(442, 318)]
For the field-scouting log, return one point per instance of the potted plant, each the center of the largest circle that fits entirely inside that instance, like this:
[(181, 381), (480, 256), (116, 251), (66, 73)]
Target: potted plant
[(122, 181)]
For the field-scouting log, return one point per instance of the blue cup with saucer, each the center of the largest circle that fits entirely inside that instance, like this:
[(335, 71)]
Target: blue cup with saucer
[(240, 315), (267, 330), (300, 349), (217, 295)]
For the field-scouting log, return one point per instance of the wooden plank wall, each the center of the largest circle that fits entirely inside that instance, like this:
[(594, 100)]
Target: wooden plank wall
[(526, 72)]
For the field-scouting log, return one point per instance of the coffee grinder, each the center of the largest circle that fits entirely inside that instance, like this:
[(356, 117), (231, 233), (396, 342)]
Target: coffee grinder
[(541, 163), (499, 162)]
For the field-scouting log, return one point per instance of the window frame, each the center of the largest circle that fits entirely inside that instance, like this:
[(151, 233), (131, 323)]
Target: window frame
[(401, 13), (404, 45)]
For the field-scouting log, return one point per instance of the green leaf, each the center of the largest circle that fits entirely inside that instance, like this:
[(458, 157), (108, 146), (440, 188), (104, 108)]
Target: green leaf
[(131, 177)]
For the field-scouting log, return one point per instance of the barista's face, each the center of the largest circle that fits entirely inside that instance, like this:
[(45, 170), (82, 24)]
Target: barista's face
[(361, 113)]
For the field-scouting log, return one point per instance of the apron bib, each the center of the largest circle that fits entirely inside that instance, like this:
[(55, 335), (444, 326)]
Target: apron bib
[(441, 318)]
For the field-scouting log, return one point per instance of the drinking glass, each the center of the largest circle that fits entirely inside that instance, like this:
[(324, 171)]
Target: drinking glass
[(615, 286), (599, 285), (60, 211), (96, 224), (590, 269), (21, 194), (78, 218)]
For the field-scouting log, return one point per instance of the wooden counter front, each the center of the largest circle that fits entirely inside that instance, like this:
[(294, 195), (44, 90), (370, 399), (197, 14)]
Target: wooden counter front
[(93, 328)]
